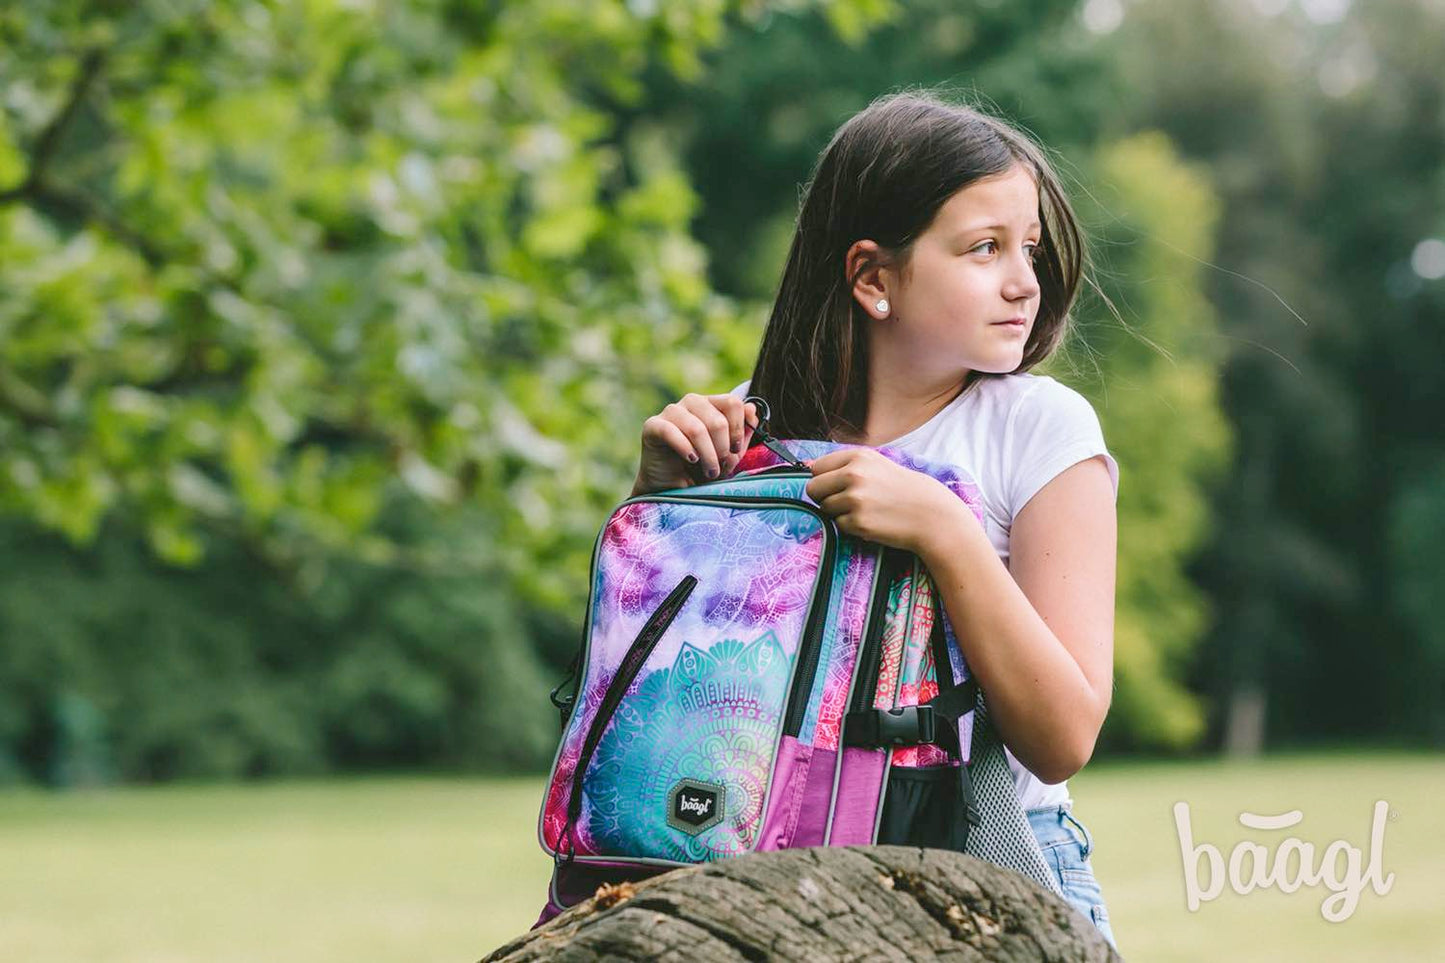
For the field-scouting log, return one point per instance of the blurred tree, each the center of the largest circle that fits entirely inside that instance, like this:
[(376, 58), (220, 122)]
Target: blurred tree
[(775, 92), (311, 311), (275, 275), (116, 663), (263, 260), (1153, 376), (1416, 532), (1324, 129)]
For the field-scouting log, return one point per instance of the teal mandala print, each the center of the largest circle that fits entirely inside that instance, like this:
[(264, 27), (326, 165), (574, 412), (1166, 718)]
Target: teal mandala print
[(714, 716)]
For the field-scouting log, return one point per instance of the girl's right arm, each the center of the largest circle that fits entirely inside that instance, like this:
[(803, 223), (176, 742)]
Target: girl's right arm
[(695, 439)]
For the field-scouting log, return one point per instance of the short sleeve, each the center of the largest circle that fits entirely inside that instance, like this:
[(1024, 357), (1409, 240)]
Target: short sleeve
[(1051, 428)]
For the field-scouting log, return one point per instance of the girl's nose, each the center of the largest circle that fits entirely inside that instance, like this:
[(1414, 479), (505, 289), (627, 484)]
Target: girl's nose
[(1022, 283)]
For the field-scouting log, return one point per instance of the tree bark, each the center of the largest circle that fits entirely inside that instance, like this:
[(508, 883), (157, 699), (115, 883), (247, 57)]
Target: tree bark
[(824, 903)]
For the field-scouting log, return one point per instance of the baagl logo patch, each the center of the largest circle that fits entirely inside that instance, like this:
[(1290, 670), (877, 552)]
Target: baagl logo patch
[(693, 806)]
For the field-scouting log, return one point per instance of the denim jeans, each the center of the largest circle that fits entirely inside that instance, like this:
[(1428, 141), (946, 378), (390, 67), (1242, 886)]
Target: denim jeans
[(1067, 844)]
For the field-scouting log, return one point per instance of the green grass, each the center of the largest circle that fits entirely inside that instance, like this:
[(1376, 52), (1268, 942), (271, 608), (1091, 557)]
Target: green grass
[(446, 869), (1129, 810)]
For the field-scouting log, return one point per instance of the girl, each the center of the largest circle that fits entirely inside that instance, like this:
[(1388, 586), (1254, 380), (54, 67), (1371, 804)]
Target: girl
[(935, 262)]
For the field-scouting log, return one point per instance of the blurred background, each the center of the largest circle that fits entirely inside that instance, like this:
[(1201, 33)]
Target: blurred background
[(327, 330)]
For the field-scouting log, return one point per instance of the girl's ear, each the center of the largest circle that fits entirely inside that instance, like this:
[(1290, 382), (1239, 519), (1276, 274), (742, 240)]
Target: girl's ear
[(871, 280)]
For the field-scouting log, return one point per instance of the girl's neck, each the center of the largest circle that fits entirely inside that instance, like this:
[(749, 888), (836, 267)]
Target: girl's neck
[(893, 414)]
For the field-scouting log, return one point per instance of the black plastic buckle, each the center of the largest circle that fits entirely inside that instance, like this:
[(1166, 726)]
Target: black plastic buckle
[(564, 704), (903, 726)]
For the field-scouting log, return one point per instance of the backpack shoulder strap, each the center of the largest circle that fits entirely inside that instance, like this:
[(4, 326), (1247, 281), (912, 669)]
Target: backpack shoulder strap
[(952, 703)]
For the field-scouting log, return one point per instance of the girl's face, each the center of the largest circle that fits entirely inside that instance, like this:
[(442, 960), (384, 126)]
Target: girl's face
[(972, 269)]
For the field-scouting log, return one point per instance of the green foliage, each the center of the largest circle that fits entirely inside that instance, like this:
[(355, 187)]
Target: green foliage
[(1326, 146), (1152, 375), (326, 330), (116, 664), (276, 276), (1416, 532), (774, 95), (261, 258)]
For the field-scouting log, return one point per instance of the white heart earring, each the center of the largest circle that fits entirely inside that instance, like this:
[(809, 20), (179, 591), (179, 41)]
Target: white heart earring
[(882, 306)]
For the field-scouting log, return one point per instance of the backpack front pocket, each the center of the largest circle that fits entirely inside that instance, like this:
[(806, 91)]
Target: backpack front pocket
[(637, 654), (669, 753)]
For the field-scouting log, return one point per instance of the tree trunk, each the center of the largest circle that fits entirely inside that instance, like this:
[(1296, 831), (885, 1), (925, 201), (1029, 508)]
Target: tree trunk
[(824, 903), (1244, 725)]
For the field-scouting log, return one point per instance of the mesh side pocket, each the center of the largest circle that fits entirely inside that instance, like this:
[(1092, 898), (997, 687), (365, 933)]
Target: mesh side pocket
[(920, 808)]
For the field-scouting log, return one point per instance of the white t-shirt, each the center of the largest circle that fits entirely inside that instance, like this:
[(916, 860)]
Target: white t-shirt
[(1012, 435)]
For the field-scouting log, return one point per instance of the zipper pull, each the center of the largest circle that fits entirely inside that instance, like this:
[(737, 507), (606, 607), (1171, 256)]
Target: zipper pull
[(761, 431), (560, 861)]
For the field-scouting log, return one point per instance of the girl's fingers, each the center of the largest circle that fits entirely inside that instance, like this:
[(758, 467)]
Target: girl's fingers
[(710, 432), (738, 415), (699, 435), (823, 486), (665, 431), (715, 424)]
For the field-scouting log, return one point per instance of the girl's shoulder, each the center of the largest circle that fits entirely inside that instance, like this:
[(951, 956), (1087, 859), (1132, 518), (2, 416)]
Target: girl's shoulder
[(1014, 404), (1043, 426)]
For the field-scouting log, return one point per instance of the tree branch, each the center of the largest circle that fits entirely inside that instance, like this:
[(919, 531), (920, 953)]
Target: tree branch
[(50, 135), (92, 210)]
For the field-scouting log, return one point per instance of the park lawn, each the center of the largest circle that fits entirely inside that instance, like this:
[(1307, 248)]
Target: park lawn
[(448, 868), (1129, 809)]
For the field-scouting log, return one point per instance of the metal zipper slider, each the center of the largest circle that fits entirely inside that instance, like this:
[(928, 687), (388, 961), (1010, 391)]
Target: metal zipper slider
[(761, 430)]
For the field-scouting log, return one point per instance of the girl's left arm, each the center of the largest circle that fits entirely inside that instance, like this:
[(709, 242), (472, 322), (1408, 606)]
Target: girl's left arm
[(1038, 635)]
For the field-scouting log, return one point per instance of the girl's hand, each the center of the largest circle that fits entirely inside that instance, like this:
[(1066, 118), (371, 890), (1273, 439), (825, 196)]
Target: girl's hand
[(871, 497), (692, 437)]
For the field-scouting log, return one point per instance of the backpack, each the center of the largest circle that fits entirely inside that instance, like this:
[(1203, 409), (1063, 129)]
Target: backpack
[(752, 679)]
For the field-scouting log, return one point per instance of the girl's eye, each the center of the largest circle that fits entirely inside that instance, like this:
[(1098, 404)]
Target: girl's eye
[(1035, 250)]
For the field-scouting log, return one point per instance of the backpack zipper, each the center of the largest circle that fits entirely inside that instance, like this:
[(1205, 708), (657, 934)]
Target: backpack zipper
[(761, 432), (632, 663)]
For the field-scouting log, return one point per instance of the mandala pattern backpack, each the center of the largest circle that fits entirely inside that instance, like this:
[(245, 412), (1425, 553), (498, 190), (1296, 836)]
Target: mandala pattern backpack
[(752, 679)]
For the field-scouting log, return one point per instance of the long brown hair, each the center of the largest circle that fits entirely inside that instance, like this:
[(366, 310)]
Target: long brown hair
[(883, 177)]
